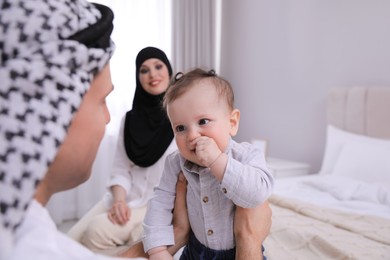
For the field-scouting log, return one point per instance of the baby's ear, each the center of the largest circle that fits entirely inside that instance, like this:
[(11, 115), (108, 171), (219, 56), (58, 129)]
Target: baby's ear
[(234, 121)]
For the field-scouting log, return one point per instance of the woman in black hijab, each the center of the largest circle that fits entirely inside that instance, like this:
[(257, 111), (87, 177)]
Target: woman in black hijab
[(148, 131), (145, 139)]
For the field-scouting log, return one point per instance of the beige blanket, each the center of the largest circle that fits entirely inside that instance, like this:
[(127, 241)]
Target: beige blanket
[(304, 231)]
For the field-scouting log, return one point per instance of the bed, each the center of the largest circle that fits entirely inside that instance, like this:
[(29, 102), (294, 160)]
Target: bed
[(343, 211)]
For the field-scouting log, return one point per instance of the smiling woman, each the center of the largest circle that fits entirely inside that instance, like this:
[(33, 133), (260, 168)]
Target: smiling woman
[(137, 24)]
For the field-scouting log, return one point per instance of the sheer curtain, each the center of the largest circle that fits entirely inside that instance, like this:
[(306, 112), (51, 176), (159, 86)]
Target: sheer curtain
[(196, 34), (137, 24)]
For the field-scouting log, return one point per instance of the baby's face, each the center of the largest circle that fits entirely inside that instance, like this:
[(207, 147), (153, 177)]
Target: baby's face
[(200, 112)]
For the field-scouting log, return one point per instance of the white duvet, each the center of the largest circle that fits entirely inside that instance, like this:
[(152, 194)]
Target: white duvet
[(338, 192)]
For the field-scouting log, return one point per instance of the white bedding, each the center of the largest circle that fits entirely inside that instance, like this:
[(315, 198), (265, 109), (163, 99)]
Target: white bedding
[(338, 192), (329, 217), (302, 230), (343, 212)]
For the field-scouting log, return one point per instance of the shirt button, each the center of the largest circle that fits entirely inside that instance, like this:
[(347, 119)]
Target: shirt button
[(210, 232), (224, 190), (205, 199)]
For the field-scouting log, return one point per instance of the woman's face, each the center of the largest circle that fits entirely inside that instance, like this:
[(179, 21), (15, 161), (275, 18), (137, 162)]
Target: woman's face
[(154, 76)]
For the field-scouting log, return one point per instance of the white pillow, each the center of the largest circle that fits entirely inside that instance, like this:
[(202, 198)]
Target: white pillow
[(368, 161), (335, 141)]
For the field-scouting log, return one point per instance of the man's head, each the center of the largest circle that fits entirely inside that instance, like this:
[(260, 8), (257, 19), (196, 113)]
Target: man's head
[(73, 162), (51, 51)]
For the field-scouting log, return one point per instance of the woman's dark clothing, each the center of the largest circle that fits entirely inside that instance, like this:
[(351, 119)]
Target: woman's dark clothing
[(147, 130)]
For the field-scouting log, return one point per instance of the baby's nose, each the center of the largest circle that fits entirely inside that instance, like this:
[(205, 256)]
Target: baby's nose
[(192, 134)]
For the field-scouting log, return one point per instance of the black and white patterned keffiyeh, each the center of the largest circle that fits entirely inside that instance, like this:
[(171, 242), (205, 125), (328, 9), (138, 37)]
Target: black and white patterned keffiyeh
[(50, 51)]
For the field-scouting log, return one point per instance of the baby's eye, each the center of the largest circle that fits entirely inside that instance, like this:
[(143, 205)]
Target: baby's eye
[(180, 128), (159, 66), (203, 121)]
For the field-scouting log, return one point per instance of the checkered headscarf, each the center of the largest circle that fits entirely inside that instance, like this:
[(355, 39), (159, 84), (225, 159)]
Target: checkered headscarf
[(50, 51)]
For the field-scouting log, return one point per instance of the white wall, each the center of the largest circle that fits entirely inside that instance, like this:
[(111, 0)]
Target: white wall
[(282, 57)]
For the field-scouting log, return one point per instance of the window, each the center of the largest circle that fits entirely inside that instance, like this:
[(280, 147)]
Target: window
[(137, 24)]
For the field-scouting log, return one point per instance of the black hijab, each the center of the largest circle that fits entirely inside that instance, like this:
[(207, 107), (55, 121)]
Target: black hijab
[(147, 130)]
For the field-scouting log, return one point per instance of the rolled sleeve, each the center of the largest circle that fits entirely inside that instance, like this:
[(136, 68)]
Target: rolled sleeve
[(121, 180), (162, 235)]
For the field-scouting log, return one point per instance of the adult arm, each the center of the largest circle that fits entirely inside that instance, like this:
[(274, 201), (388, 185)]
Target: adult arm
[(181, 224), (251, 227), (119, 183)]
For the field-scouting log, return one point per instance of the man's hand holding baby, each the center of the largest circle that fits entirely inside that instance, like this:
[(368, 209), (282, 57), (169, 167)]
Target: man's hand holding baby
[(159, 253)]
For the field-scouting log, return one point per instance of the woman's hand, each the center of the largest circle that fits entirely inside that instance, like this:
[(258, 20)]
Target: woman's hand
[(119, 213)]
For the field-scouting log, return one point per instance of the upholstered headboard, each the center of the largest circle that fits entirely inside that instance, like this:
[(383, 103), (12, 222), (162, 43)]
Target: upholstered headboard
[(362, 110)]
